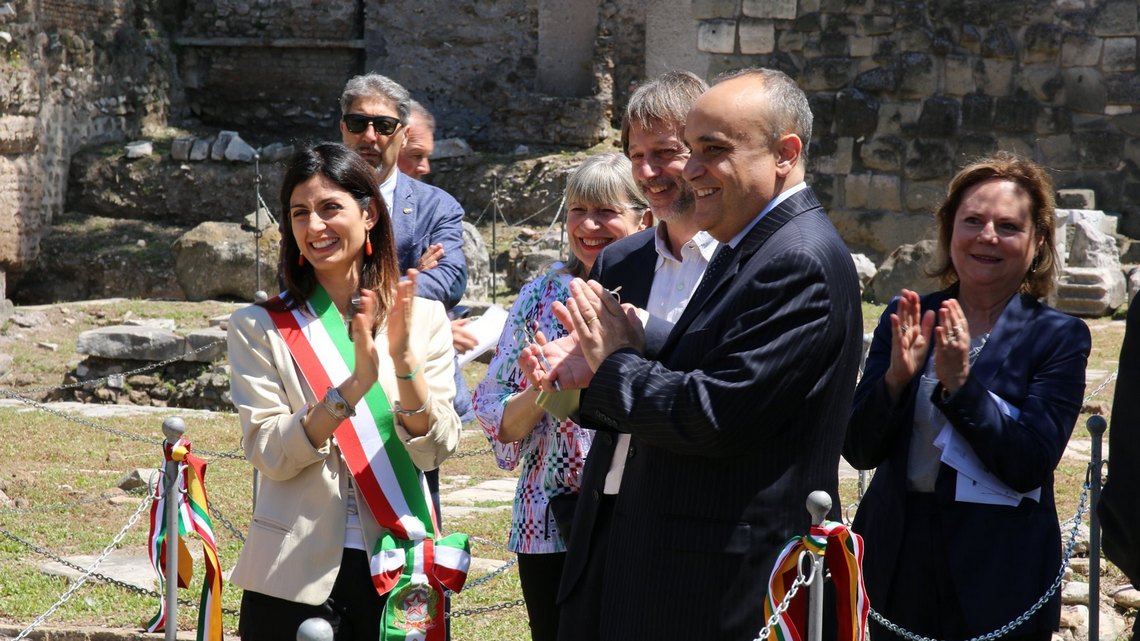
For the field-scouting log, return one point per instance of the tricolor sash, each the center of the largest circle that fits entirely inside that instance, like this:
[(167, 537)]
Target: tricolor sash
[(844, 559), (193, 514), (409, 563)]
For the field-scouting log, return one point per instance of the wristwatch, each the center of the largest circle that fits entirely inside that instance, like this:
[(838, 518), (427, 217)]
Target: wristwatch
[(335, 404)]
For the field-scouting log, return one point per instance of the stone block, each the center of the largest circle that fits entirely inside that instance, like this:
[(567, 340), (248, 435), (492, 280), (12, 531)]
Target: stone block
[(939, 116), (883, 193), (861, 46), (200, 150), (917, 76), (1085, 90), (18, 134), (883, 153), (1122, 88), (1076, 199), (279, 152), (855, 188), (972, 146), (1016, 144), (958, 76), (894, 117), (218, 150), (928, 159), (876, 25), (925, 196), (1079, 49), (1116, 18), (1075, 593), (1015, 114), (790, 40), (180, 149), (878, 79), (706, 9), (211, 343), (717, 36), (1054, 120), (122, 342), (1127, 597), (1119, 54), (1042, 82), (773, 9), (823, 111), (903, 268), (828, 74), (757, 36), (1074, 617), (856, 113), (977, 112), (808, 6), (1099, 149), (999, 43), (138, 149), (833, 155), (997, 76), (239, 151), (217, 260), (864, 268), (1041, 43), (1090, 291), (1057, 151)]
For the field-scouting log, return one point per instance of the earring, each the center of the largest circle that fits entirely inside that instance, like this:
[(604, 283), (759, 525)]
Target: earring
[(1036, 263), (301, 260), (368, 247)]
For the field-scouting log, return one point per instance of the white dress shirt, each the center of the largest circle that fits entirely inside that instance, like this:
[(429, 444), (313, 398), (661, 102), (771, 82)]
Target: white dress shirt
[(674, 282)]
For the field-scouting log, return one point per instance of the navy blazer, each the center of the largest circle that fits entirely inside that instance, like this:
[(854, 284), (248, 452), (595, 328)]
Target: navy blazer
[(1119, 507), (630, 263), (423, 215), (739, 419), (1002, 558)]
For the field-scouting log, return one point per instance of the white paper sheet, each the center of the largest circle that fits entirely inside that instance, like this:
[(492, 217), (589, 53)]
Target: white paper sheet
[(975, 483), (487, 328)]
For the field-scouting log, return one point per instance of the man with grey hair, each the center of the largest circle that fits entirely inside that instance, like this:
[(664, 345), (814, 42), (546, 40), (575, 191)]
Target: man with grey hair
[(420, 133), (657, 269)]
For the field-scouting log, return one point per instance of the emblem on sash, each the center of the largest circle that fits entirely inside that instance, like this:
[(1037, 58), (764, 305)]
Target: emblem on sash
[(416, 608)]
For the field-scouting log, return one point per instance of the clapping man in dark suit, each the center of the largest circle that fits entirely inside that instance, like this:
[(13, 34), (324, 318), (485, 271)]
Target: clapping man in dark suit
[(658, 270), (740, 412)]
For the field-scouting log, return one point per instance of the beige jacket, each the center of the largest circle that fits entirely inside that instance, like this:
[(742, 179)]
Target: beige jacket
[(293, 550)]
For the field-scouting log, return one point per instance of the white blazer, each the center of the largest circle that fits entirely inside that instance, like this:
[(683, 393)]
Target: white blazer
[(296, 539)]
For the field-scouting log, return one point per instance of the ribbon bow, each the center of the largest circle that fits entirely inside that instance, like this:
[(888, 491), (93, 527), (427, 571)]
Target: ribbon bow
[(193, 514), (844, 558)]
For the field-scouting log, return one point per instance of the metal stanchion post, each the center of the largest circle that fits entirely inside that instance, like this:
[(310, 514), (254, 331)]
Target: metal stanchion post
[(818, 505), (172, 428), (315, 629), (1096, 426)]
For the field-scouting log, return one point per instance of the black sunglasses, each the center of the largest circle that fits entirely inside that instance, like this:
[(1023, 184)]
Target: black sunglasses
[(357, 123)]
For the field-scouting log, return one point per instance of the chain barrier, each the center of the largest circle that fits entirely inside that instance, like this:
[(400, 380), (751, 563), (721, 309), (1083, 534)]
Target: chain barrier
[(469, 453), (486, 608), (1101, 387), (1076, 521), (110, 430), (217, 514), (95, 382)]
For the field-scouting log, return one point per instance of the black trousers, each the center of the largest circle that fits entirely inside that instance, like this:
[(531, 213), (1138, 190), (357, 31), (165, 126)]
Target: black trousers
[(540, 575), (582, 609), (354, 608)]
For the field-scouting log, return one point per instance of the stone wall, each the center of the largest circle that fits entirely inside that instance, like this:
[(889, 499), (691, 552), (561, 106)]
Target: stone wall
[(72, 72), (904, 93)]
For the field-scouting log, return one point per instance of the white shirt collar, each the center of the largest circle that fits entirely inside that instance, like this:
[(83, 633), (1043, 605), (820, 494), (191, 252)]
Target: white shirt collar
[(388, 190), (702, 241), (781, 197)]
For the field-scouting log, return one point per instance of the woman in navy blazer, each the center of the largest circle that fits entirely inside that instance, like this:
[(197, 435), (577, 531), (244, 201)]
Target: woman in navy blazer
[(957, 546)]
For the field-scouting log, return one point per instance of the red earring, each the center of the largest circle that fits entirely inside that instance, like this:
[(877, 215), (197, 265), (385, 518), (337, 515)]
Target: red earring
[(301, 260), (368, 247)]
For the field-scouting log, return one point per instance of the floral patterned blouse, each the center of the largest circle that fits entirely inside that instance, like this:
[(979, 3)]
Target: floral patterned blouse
[(552, 455)]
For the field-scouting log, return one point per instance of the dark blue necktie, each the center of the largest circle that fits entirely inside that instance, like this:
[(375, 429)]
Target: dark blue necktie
[(713, 272)]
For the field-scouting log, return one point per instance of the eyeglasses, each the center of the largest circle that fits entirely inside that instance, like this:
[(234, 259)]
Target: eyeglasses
[(358, 123)]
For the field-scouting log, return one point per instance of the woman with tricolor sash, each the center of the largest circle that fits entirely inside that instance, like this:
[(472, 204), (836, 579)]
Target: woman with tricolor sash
[(343, 384)]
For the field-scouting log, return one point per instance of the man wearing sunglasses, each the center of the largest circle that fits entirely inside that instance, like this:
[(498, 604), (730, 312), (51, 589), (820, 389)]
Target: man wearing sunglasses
[(426, 221)]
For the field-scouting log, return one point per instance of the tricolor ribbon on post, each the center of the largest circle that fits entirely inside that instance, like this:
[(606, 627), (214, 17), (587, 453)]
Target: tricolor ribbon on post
[(193, 515), (411, 565), (842, 550)]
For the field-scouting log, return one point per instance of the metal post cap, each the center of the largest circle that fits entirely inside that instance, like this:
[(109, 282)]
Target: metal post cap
[(315, 629), (1096, 424), (173, 428), (818, 505), (260, 296)]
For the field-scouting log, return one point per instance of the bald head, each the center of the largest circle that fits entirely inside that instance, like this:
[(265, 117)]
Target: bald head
[(746, 148)]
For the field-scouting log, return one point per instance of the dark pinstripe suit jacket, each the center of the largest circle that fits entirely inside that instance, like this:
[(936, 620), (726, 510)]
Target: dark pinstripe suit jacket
[(738, 419)]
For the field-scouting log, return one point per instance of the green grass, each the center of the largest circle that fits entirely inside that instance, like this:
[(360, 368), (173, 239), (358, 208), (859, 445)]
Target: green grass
[(57, 469)]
